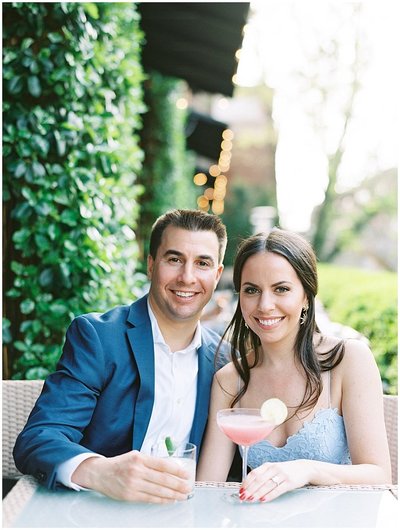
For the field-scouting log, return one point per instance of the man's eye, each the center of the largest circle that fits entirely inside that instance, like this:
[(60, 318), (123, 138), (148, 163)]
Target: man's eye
[(174, 260), (203, 264)]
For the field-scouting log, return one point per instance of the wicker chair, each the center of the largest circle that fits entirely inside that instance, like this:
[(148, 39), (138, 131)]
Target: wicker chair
[(390, 404), (20, 396)]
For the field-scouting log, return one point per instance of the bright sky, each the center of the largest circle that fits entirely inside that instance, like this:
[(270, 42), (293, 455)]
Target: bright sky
[(279, 42)]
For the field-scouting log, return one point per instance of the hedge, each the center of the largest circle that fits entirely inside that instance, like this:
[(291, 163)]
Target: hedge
[(367, 302), (72, 102)]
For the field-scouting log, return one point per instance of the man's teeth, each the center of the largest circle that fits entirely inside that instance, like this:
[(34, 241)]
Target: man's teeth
[(269, 322), (183, 294)]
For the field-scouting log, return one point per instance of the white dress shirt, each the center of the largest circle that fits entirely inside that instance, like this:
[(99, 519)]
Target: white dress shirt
[(174, 398)]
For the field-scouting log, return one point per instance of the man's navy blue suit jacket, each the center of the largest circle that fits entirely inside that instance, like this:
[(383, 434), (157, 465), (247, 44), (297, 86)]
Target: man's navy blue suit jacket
[(101, 396)]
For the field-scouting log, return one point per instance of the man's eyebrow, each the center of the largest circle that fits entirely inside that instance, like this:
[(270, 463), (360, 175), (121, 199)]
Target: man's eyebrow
[(172, 252)]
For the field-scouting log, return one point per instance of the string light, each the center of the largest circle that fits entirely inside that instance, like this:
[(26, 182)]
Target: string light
[(216, 195), (214, 170), (218, 207), (203, 202), (200, 179), (228, 134), (209, 193)]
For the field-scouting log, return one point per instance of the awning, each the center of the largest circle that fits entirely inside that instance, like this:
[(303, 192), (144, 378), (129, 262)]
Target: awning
[(195, 41)]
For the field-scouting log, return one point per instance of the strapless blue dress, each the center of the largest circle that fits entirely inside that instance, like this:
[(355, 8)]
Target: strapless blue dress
[(323, 439)]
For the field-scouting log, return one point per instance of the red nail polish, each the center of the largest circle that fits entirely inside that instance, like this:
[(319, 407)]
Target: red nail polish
[(241, 490), (263, 499), (251, 498), (242, 497)]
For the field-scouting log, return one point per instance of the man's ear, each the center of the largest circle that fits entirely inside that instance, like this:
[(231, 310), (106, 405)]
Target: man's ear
[(219, 272), (150, 264)]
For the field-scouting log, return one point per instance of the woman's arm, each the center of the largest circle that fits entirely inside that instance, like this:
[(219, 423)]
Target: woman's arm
[(362, 408), (217, 450)]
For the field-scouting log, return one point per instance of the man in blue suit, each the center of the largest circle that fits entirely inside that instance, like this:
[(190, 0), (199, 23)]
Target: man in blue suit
[(134, 375)]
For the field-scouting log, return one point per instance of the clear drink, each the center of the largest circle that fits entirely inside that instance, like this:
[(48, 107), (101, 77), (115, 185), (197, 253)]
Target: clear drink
[(190, 466), (184, 455)]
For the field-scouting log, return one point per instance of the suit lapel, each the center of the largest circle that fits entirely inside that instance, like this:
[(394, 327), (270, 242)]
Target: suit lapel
[(141, 341), (204, 380)]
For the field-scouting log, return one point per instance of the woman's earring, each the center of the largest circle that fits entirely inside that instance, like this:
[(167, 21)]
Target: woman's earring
[(303, 316)]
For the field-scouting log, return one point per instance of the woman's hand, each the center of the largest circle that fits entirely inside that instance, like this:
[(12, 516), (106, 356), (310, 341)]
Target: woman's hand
[(270, 480)]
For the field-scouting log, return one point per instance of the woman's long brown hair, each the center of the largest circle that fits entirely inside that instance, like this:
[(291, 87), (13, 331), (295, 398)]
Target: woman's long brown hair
[(301, 257)]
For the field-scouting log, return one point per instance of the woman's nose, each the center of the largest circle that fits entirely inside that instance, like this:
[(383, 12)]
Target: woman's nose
[(266, 302)]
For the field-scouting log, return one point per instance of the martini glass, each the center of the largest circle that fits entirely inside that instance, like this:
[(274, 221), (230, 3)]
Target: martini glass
[(245, 427)]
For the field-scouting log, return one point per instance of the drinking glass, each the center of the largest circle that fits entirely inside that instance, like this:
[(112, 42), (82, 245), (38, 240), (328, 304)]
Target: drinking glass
[(184, 454), (245, 427)]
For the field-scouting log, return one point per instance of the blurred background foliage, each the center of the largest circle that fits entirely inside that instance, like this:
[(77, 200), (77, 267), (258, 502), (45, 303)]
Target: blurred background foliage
[(94, 150), (168, 167), (364, 301)]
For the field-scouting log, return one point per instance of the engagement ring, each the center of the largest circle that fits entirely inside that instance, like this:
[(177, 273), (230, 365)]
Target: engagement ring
[(275, 481)]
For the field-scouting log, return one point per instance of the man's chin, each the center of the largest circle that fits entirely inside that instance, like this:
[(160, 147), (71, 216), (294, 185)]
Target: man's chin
[(185, 314)]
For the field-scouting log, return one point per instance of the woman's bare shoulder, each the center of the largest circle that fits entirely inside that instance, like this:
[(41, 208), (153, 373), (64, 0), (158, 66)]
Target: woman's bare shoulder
[(356, 351), (228, 378)]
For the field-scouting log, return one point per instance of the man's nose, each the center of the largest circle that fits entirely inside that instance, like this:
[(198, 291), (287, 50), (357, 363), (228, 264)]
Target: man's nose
[(187, 273)]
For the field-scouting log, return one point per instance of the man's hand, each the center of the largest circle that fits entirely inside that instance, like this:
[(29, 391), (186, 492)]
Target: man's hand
[(134, 476)]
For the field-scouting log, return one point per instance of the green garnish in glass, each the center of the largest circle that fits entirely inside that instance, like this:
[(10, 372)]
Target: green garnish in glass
[(169, 444)]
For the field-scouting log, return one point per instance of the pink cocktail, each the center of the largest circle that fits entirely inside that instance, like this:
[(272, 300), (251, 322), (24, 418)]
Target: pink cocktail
[(245, 427)]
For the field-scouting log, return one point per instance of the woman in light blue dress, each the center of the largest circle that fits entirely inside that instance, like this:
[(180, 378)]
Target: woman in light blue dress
[(335, 430)]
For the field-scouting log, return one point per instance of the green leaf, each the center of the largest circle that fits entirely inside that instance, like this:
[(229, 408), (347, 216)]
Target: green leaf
[(15, 85), (43, 208), (20, 346), (6, 331), (34, 86), (69, 217), (91, 9), (27, 306), (21, 211), (55, 37), (25, 44), (53, 231), (41, 143), (38, 169), (69, 245), (20, 236), (42, 242), (20, 169), (58, 309), (38, 372)]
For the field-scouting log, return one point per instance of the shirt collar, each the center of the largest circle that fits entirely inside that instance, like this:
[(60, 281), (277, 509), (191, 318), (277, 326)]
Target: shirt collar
[(159, 339)]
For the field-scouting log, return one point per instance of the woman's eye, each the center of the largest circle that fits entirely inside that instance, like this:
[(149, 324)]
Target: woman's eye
[(282, 289), (250, 290)]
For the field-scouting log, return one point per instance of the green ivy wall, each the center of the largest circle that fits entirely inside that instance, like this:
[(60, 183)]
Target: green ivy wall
[(72, 105)]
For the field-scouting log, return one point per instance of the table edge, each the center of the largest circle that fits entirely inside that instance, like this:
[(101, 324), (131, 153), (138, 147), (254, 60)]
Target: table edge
[(26, 486)]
